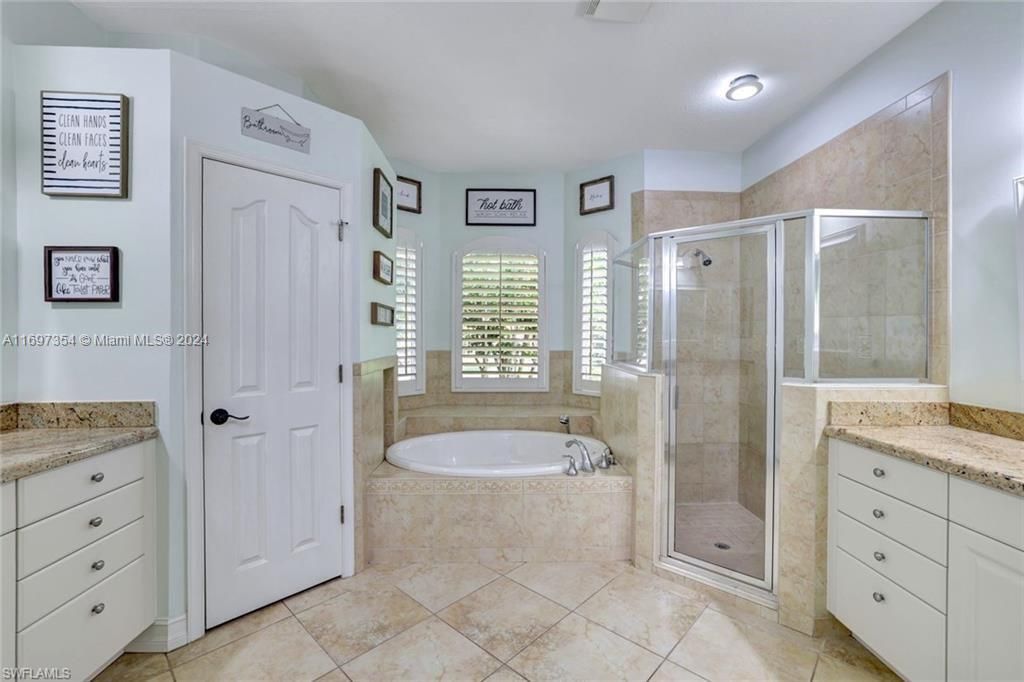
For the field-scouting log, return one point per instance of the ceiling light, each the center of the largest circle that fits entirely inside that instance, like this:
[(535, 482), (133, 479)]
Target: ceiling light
[(744, 87)]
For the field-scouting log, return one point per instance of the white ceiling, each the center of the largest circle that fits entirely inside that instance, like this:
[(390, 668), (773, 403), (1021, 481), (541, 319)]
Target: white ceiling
[(477, 86)]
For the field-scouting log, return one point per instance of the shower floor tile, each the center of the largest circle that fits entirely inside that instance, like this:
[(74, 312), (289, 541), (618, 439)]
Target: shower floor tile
[(701, 526)]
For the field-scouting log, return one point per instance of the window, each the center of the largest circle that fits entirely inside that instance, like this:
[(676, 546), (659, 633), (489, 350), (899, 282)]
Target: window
[(592, 322), (498, 334), (409, 313)]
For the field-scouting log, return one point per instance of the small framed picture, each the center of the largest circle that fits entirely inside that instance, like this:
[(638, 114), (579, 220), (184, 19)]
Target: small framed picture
[(81, 274), (408, 197), (84, 144), (382, 315), (597, 195), (383, 268), (383, 200)]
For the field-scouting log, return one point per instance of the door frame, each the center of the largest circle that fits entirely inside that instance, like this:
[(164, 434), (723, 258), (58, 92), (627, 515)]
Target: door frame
[(195, 516)]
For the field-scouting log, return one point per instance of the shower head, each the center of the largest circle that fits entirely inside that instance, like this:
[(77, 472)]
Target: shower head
[(705, 259)]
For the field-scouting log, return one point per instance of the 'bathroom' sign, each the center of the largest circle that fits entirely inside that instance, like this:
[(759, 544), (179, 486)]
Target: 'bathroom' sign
[(262, 126), (85, 144)]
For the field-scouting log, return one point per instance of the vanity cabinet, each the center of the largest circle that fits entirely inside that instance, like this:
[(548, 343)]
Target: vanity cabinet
[(7, 573), (926, 569), (78, 572)]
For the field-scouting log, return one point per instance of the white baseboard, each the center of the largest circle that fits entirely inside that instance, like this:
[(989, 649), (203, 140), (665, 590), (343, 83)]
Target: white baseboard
[(165, 634)]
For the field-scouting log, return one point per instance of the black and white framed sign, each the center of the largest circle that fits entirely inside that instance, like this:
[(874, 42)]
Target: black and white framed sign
[(84, 144), (597, 195), (80, 273), (407, 196), (383, 268), (383, 201), (501, 207)]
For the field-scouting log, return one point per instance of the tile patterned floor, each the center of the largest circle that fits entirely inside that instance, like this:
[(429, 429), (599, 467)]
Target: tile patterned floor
[(699, 525), (502, 622)]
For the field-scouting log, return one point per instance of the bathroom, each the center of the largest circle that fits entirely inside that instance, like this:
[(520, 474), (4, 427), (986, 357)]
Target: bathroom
[(654, 358)]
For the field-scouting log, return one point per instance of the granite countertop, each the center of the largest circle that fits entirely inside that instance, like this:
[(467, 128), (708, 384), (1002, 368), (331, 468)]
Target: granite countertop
[(24, 452), (993, 461)]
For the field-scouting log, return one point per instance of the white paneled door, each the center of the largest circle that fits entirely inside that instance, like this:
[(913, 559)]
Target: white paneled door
[(271, 392)]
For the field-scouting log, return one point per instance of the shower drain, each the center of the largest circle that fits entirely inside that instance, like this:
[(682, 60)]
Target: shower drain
[(722, 545)]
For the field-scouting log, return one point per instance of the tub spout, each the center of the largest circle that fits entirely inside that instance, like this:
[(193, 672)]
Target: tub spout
[(564, 421), (586, 464)]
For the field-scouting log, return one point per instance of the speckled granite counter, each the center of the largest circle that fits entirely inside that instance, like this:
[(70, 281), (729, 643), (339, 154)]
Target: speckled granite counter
[(980, 457), (24, 452)]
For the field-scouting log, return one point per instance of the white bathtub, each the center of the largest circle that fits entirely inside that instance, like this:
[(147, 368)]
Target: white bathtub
[(490, 454)]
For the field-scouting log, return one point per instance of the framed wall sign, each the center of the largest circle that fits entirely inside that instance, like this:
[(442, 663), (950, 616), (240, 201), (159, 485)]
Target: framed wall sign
[(383, 200), (408, 197), (290, 134), (501, 207), (80, 273), (383, 268), (382, 315), (84, 144), (597, 195)]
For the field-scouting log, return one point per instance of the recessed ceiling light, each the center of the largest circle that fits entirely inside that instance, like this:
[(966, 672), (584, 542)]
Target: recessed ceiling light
[(744, 87)]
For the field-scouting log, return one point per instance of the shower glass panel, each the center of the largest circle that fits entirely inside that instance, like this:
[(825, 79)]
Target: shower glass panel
[(720, 314), (633, 295), (874, 298)]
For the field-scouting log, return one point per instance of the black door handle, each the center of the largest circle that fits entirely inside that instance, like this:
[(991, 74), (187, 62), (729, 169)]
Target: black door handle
[(220, 416)]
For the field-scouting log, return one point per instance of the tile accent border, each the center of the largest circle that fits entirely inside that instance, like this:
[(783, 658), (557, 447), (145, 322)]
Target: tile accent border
[(987, 420)]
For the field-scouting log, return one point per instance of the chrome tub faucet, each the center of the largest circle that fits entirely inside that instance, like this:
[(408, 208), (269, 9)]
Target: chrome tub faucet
[(586, 464)]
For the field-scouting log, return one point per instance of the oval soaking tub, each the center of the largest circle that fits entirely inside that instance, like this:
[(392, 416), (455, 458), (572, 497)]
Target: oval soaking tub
[(490, 454)]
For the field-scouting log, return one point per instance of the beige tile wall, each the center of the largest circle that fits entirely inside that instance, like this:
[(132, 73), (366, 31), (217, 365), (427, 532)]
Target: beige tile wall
[(439, 387), (896, 159), (657, 210), (372, 382), (430, 518)]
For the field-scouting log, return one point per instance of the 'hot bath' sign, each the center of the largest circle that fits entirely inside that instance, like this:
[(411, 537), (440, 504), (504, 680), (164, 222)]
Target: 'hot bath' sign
[(85, 144)]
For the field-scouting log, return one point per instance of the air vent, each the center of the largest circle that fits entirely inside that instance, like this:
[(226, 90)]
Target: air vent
[(616, 10)]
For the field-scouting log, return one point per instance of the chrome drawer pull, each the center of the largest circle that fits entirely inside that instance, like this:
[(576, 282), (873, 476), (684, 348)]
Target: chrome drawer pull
[(879, 556), (97, 477), (878, 597), (98, 565), (879, 473), (878, 513), (96, 522), (98, 609)]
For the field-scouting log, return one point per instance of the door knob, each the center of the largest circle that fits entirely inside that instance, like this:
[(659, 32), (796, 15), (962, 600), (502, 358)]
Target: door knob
[(220, 416)]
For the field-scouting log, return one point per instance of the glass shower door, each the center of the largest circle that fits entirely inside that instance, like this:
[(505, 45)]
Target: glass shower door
[(719, 302)]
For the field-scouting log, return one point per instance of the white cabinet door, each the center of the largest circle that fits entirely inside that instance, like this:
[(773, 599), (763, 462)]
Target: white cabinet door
[(985, 608), (7, 610), (271, 302)]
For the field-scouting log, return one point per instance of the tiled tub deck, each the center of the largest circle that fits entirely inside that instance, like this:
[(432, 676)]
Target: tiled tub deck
[(415, 517)]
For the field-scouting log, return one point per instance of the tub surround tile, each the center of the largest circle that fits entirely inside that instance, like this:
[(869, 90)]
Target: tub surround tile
[(645, 610), (503, 617), (980, 457), (578, 649), (431, 650), (987, 420), (24, 452), (281, 651), (567, 583), (888, 413)]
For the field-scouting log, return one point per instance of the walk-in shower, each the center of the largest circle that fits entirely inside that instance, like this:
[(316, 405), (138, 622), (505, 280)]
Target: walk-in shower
[(727, 312)]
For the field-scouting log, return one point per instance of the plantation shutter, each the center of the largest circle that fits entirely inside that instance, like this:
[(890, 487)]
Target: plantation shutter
[(593, 311), (500, 317), (406, 322)]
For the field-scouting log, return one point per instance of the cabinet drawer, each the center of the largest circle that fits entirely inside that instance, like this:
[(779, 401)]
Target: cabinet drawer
[(49, 492), (914, 572), (913, 527), (8, 519), (77, 637), (905, 632), (913, 483), (990, 512), (53, 538), (47, 589)]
